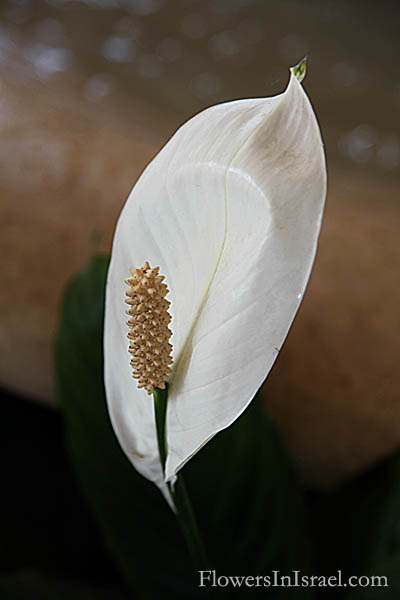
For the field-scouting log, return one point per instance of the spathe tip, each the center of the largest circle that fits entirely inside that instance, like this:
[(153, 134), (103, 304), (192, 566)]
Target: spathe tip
[(299, 70)]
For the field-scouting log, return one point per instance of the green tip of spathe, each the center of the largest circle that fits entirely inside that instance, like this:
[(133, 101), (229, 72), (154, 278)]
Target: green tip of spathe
[(300, 69)]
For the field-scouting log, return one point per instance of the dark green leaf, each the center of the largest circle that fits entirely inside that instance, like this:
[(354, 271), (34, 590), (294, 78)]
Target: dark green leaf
[(249, 503), (257, 491)]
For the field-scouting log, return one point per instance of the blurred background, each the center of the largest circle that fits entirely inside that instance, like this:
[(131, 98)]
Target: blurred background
[(89, 92)]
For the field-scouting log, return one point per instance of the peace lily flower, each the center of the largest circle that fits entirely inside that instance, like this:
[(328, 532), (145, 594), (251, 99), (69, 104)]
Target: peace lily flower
[(230, 211)]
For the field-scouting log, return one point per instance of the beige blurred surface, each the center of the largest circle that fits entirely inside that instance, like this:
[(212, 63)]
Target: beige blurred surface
[(89, 92), (65, 177), (334, 389)]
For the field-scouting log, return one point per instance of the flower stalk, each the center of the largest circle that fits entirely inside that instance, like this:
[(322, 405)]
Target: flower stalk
[(188, 523), (180, 497), (160, 411)]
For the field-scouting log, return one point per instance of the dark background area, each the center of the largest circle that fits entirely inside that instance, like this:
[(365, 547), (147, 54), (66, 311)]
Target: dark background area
[(43, 513)]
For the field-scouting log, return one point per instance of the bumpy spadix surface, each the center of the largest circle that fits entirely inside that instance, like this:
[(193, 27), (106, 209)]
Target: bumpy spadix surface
[(230, 209), (149, 333)]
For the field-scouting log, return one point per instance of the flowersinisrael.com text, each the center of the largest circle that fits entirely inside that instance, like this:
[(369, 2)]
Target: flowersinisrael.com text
[(292, 579)]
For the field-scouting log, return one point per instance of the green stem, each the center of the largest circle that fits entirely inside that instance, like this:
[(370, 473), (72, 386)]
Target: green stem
[(188, 523), (160, 412), (179, 495)]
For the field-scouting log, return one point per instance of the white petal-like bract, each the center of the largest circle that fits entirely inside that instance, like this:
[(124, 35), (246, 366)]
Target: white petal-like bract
[(230, 209)]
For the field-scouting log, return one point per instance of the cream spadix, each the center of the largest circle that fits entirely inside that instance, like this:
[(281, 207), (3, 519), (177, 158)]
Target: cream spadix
[(148, 327), (231, 210)]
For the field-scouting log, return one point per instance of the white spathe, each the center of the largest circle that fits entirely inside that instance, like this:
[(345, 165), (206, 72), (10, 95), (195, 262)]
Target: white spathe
[(230, 210)]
